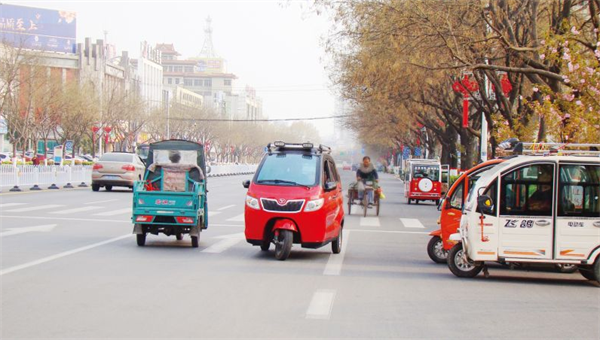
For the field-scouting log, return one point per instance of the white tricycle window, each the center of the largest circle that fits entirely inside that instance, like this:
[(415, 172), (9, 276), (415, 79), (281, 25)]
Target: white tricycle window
[(175, 156), (579, 191)]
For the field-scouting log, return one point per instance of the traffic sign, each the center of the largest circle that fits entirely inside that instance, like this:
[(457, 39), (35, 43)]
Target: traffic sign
[(69, 146)]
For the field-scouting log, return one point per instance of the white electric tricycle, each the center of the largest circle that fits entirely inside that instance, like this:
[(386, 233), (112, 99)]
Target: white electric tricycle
[(532, 209)]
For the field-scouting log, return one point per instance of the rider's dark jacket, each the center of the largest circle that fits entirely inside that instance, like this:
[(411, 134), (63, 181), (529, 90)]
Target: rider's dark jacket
[(367, 173)]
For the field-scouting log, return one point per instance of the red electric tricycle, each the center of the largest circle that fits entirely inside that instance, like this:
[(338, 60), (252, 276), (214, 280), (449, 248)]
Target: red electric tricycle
[(295, 197), (451, 211)]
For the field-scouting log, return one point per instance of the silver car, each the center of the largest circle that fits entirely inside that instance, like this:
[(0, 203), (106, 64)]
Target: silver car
[(117, 169)]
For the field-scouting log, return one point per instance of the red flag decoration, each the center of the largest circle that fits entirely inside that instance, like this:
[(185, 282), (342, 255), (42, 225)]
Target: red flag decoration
[(465, 121), (465, 86)]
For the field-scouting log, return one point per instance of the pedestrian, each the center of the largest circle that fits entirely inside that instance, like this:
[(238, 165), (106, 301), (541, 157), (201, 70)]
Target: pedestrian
[(35, 161)]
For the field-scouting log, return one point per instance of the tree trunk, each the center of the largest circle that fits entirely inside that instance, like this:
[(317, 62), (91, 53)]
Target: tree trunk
[(467, 158)]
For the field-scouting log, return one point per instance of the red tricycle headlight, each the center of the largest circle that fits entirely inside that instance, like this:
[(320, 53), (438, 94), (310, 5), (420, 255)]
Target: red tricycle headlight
[(252, 202), (314, 205)]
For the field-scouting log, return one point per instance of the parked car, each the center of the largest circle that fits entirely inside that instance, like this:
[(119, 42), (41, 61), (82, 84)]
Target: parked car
[(89, 158), (347, 166), (117, 169)]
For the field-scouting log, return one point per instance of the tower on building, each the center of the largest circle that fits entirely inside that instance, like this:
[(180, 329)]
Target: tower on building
[(208, 50)]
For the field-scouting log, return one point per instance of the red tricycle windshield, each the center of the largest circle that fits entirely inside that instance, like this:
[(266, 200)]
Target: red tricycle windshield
[(289, 169)]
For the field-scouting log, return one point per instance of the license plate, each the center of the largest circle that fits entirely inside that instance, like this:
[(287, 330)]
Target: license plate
[(112, 177)]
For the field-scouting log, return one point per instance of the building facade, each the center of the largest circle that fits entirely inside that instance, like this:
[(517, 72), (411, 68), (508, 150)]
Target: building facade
[(149, 75)]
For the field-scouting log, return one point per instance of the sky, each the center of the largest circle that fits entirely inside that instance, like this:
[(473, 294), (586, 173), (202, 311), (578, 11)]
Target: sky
[(274, 46)]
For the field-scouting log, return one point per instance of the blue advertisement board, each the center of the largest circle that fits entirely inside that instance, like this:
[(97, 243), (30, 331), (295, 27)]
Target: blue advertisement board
[(38, 28)]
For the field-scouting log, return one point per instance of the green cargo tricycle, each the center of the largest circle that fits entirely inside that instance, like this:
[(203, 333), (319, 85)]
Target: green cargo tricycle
[(171, 199)]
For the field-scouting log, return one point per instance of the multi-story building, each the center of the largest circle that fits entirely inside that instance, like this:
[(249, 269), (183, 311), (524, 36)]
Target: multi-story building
[(249, 106), (178, 94), (204, 76), (149, 75)]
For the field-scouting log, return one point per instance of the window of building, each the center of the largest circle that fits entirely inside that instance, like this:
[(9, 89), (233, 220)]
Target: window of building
[(176, 80), (197, 82), (170, 80), (189, 69), (227, 82), (179, 69), (207, 82), (528, 191), (579, 190), (188, 82)]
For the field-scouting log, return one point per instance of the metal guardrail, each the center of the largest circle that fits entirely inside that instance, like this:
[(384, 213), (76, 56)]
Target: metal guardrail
[(34, 176)]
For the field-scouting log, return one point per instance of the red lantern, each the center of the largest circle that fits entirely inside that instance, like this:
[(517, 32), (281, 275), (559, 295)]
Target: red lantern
[(95, 129), (506, 85), (465, 87), (107, 131)]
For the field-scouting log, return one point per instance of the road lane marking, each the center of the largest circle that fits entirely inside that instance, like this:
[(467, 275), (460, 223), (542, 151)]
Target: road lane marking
[(37, 192), (412, 223), (76, 210), (321, 304), (369, 222), (4, 205), (97, 202), (225, 225), (60, 255), (213, 213), (390, 231), (334, 264), (227, 241), (39, 207), (115, 212), (65, 219), (226, 207), (22, 230), (238, 218)]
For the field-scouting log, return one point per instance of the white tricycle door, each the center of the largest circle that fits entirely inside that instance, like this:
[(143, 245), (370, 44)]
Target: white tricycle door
[(578, 217), (526, 212)]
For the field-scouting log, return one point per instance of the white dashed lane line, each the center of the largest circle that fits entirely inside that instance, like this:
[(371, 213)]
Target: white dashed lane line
[(115, 212), (60, 255), (38, 207), (226, 242), (321, 304), (5, 205), (226, 207), (335, 262), (238, 218), (412, 223), (97, 202), (76, 210), (369, 222)]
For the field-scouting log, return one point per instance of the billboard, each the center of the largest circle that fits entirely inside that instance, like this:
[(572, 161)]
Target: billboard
[(38, 28), (210, 65)]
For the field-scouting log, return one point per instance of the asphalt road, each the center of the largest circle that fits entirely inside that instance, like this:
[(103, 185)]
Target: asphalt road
[(71, 269)]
